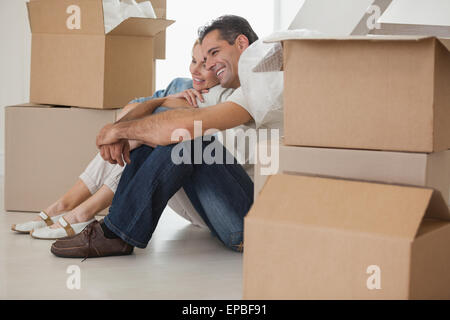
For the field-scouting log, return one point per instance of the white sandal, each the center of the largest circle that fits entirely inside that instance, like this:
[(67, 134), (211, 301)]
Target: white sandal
[(67, 230), (27, 227)]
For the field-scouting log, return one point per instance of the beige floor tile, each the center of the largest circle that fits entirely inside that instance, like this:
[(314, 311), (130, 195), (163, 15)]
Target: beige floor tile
[(181, 262)]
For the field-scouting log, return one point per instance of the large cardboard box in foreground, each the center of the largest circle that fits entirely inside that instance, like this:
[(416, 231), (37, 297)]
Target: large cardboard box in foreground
[(382, 93), (321, 238), (418, 169), (46, 149), (74, 63)]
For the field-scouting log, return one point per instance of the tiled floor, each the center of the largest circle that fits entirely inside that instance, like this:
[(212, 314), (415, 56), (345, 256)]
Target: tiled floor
[(181, 262)]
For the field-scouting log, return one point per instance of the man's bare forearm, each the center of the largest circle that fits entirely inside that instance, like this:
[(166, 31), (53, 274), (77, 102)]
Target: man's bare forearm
[(143, 109), (158, 129), (146, 108)]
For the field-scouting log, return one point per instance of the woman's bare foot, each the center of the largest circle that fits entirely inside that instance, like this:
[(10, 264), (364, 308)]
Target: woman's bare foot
[(78, 193), (87, 210), (55, 209), (74, 216)]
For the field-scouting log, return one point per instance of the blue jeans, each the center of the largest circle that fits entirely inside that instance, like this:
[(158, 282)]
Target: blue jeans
[(221, 193)]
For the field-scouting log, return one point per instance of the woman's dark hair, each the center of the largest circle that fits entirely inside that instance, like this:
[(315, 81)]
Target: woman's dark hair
[(230, 27)]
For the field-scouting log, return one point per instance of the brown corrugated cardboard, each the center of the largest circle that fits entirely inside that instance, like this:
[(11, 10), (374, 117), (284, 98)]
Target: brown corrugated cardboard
[(321, 238), (418, 169), (412, 29), (159, 48), (382, 93), (46, 149), (86, 68)]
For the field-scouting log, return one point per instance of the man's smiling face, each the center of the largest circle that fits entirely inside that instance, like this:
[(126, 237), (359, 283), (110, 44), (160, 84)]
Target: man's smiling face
[(222, 58)]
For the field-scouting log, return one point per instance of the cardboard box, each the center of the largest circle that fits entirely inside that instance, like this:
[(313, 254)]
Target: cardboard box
[(46, 150), (320, 238), (411, 29), (382, 93), (335, 18), (418, 169), (417, 12), (85, 67)]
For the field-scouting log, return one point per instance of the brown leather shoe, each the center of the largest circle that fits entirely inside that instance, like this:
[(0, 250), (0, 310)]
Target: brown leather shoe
[(91, 242)]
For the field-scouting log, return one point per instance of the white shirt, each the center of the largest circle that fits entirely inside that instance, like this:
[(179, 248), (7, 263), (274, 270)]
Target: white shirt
[(261, 95)]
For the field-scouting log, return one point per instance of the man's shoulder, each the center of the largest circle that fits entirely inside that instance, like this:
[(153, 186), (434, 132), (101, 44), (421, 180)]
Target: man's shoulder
[(237, 96), (221, 92)]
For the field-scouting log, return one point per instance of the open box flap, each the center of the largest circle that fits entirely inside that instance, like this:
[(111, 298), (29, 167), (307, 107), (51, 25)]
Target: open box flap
[(283, 36), (435, 12), (160, 39), (437, 208), (292, 35), (445, 42), (354, 206), (141, 27), (50, 16), (334, 17)]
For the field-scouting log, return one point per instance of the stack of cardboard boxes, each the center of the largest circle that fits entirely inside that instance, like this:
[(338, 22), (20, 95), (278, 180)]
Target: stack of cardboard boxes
[(360, 209), (79, 77)]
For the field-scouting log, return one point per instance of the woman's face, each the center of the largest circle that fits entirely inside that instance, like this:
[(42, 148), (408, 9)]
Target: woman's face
[(201, 78)]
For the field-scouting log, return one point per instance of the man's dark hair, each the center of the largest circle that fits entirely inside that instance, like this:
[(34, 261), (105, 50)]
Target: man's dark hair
[(230, 27)]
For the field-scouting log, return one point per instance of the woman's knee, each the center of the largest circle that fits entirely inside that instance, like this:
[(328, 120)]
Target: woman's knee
[(126, 109)]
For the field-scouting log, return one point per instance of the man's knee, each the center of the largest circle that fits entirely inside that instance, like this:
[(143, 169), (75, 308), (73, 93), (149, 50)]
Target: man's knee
[(140, 151)]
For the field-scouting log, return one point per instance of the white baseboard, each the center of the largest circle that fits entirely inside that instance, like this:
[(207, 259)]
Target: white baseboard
[(2, 164)]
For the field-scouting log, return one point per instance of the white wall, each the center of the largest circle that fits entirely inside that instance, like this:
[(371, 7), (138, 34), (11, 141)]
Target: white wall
[(285, 11), (190, 15), (15, 42)]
